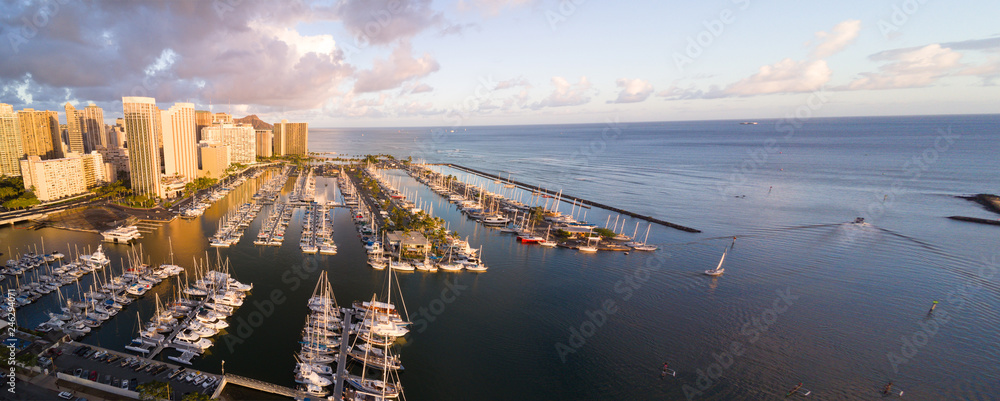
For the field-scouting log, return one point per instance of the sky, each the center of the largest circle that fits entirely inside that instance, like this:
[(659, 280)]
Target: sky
[(398, 63)]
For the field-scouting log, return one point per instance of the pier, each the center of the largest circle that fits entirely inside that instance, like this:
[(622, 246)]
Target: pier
[(574, 198), (338, 388), (263, 386), (170, 339)]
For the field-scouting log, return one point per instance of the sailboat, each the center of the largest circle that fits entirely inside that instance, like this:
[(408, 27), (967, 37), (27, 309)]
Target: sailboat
[(642, 246), (587, 248), (547, 243), (718, 269)]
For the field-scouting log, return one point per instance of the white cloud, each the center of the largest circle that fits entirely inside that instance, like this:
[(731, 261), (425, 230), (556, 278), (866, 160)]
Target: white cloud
[(786, 76), (633, 90), (566, 94), (513, 83), (909, 68), (492, 7), (321, 44), (841, 35), (390, 73), (421, 88), (385, 21)]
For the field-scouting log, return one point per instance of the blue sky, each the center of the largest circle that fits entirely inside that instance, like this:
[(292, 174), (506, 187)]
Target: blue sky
[(481, 62)]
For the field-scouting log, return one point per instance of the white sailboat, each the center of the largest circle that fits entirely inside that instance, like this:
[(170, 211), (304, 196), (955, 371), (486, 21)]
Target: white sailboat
[(642, 246), (587, 248), (719, 269)]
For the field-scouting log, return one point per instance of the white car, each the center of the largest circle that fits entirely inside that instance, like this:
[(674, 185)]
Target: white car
[(65, 395)]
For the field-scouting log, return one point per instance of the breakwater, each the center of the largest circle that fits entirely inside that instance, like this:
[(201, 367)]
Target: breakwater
[(575, 198)]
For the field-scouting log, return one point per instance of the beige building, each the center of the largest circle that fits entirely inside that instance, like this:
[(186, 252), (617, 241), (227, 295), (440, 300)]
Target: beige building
[(116, 157), (116, 136), (142, 130), (94, 133), (213, 159), (291, 138), (94, 172), (74, 131), (40, 133), (10, 142), (265, 142), (180, 143), (55, 178), (202, 119), (240, 139), (222, 118)]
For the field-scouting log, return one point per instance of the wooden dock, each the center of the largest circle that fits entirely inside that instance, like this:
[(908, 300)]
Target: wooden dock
[(345, 335), (264, 386), (577, 199), (170, 339)]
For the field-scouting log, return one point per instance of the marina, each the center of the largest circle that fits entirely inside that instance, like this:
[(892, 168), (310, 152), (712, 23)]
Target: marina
[(526, 282)]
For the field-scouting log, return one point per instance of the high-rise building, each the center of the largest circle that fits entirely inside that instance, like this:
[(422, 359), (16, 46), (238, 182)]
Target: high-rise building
[(180, 143), (265, 142), (94, 133), (291, 138), (142, 130), (116, 136), (222, 118), (202, 118), (74, 130), (117, 160), (213, 159), (92, 168), (40, 133), (55, 178), (240, 139), (10, 142)]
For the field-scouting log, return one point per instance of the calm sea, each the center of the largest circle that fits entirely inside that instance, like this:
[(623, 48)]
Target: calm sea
[(806, 297)]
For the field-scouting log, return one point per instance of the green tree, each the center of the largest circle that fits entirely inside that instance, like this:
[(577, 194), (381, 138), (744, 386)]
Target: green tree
[(27, 359), (195, 397), (604, 232), (9, 192), (154, 390), (25, 201)]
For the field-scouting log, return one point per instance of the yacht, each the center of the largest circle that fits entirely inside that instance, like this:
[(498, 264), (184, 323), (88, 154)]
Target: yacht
[(121, 235)]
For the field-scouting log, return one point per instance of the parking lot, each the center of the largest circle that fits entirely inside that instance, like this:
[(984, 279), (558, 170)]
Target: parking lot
[(126, 371)]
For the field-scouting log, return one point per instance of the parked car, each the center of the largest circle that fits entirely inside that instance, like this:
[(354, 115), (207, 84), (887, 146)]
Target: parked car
[(125, 384), (93, 376), (66, 395), (78, 372)]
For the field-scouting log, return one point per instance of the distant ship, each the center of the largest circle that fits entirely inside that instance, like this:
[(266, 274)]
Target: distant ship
[(748, 123)]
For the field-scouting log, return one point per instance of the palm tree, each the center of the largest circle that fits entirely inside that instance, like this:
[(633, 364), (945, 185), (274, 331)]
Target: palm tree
[(154, 390)]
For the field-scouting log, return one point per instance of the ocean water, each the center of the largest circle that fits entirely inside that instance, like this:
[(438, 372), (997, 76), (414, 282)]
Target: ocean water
[(806, 297)]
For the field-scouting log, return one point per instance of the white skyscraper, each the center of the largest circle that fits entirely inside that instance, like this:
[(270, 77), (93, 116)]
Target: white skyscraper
[(142, 129), (180, 145)]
